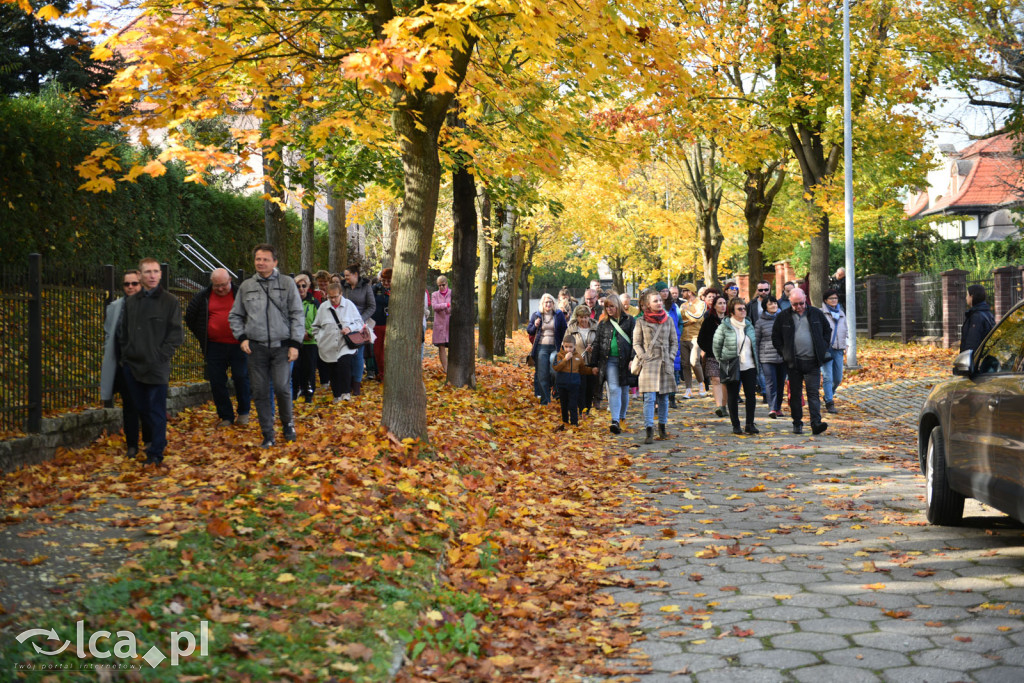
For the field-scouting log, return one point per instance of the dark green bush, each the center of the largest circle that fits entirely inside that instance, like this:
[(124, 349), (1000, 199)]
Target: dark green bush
[(43, 138)]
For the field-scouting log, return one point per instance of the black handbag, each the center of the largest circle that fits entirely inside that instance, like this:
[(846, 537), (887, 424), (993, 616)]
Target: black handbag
[(729, 368)]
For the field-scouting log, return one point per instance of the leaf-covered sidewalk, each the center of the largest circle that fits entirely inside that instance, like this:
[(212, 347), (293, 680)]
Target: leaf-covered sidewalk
[(478, 556)]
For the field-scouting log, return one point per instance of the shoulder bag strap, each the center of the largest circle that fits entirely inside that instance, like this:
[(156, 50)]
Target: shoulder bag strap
[(619, 329), (656, 338), (335, 314)]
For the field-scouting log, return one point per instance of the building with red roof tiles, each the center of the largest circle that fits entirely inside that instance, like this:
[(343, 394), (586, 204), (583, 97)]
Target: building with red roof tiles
[(983, 184)]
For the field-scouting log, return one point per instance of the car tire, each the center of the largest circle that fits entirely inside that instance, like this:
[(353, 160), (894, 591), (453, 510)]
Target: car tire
[(945, 506)]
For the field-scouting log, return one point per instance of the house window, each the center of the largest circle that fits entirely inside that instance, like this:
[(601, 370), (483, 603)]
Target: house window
[(970, 227)]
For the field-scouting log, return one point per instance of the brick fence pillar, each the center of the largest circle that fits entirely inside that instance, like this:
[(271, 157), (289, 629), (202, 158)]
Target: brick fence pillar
[(743, 282), (910, 317), (1002, 296), (873, 284), (783, 273), (954, 305)]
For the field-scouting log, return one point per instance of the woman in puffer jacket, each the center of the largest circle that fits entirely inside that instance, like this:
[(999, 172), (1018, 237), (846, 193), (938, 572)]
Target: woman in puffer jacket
[(735, 338)]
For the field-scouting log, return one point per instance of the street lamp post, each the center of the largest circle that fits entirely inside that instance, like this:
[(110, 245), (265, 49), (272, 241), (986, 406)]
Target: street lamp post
[(851, 278)]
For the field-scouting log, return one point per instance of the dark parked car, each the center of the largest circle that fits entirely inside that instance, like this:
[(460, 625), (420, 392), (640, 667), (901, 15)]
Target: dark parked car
[(971, 428)]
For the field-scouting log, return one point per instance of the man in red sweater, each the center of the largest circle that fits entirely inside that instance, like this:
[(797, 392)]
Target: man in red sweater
[(207, 318)]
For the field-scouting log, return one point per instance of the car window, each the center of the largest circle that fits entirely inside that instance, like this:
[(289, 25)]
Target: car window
[(1002, 352)]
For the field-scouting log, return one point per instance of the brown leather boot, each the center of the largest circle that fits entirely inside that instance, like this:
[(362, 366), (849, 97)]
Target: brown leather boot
[(357, 388)]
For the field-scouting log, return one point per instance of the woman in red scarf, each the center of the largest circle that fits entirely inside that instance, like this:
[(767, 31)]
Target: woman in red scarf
[(655, 343)]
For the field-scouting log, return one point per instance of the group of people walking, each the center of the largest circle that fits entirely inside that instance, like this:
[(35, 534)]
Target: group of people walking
[(681, 336), (276, 334)]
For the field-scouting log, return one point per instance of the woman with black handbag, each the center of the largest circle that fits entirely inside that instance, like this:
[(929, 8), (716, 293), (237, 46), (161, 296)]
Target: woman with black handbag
[(339, 333), (735, 347), (612, 353)]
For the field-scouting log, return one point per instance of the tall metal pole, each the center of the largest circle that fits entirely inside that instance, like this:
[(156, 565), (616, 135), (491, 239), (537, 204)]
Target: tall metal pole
[(851, 281)]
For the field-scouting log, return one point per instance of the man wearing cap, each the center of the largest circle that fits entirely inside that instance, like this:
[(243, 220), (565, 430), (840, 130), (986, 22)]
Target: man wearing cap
[(691, 316)]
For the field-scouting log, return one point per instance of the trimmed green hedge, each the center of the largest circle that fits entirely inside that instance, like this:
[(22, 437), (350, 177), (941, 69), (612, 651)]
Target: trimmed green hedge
[(42, 210)]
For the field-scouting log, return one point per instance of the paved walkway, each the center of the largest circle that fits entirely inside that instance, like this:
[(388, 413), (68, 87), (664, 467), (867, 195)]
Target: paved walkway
[(899, 402), (799, 558)]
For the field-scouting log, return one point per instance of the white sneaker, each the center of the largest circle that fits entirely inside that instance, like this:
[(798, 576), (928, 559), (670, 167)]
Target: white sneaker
[(688, 394), (346, 397), (703, 394)]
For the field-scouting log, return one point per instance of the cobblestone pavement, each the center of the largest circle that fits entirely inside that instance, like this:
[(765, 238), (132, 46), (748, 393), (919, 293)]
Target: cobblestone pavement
[(896, 401), (801, 558)]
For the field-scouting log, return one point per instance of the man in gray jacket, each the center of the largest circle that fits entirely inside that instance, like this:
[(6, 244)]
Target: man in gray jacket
[(267, 318)]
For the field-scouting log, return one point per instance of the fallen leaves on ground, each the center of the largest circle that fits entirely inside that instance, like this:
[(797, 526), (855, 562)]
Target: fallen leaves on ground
[(523, 526), (890, 361)]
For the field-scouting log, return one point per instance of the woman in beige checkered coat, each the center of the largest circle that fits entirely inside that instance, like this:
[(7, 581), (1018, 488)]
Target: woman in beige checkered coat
[(655, 343)]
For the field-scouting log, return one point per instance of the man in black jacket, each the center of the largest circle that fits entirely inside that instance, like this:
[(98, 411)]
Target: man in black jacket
[(149, 333), (207, 318), (801, 336)]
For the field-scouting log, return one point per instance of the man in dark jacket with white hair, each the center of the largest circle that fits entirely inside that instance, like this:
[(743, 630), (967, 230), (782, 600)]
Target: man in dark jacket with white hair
[(801, 336)]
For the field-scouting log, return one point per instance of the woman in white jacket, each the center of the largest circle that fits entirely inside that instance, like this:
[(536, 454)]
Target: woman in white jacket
[(336, 318)]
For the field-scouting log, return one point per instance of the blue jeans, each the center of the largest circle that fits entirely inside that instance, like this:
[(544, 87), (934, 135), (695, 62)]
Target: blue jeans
[(151, 403), (543, 376), (358, 365), (649, 399), (774, 383), (832, 373), (618, 396)]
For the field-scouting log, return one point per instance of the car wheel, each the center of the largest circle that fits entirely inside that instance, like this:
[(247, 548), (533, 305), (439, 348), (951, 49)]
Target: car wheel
[(945, 506)]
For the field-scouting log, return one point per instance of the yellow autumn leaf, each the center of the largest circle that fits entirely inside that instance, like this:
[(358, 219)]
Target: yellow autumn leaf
[(501, 661), (285, 578), (48, 13), (669, 608)]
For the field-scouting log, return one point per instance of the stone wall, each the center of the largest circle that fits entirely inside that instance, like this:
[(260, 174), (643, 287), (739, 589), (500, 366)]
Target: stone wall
[(77, 430)]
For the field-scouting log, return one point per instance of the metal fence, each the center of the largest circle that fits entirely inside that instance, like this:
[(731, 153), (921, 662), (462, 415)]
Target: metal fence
[(860, 292), (929, 293), (51, 338), (891, 305)]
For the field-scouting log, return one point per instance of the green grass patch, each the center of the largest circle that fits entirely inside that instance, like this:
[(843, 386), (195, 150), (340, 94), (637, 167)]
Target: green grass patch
[(284, 591)]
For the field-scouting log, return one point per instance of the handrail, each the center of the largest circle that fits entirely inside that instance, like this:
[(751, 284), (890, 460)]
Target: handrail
[(190, 249)]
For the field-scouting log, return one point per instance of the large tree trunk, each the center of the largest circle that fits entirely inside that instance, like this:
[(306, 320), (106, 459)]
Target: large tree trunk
[(706, 188), (617, 264), (761, 188), (275, 227), (506, 278), (524, 280), (308, 222), (815, 166), (404, 412), (389, 226), (337, 232), (512, 317), (461, 354), (484, 280)]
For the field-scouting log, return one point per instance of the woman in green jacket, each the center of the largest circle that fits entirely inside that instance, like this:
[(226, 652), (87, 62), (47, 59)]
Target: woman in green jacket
[(735, 338)]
